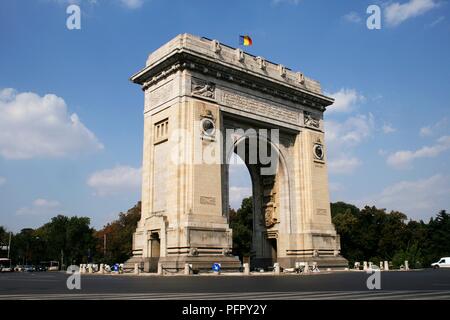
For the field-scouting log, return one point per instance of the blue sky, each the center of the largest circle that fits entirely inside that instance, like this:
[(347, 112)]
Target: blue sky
[(71, 121)]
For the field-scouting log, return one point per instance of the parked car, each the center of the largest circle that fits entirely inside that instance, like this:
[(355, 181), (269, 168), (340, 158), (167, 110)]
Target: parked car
[(50, 265), (18, 268), (40, 268), (28, 268), (443, 263)]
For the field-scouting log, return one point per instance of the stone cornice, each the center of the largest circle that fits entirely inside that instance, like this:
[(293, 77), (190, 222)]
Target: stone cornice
[(182, 58)]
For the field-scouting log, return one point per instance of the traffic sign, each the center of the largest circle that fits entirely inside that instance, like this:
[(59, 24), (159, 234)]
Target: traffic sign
[(216, 267)]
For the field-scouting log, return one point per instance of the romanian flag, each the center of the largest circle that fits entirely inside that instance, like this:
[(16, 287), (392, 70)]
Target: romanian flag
[(245, 40)]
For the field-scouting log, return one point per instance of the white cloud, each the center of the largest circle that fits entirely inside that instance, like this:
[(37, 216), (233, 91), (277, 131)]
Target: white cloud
[(388, 128), (40, 207), (343, 165), (132, 4), (419, 199), (342, 138), (129, 4), (237, 194), (115, 181), (77, 2), (434, 128), (2, 180), (349, 133), (293, 2), (352, 17), (435, 22), (345, 100), (396, 13), (425, 132), (40, 127), (403, 159)]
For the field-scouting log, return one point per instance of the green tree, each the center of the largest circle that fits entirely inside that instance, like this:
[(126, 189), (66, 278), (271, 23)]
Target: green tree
[(4, 241), (346, 220), (68, 238), (241, 222), (119, 237), (412, 254), (438, 238)]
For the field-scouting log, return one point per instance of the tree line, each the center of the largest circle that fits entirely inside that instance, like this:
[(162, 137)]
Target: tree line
[(71, 240), (367, 234), (372, 234)]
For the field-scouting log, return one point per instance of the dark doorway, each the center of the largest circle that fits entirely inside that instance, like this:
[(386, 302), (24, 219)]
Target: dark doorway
[(273, 247), (155, 245), (155, 248)]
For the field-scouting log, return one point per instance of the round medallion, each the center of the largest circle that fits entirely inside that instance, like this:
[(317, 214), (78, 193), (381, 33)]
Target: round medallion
[(318, 151), (208, 127)]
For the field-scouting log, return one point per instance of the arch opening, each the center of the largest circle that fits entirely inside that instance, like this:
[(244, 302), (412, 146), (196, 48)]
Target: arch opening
[(260, 217)]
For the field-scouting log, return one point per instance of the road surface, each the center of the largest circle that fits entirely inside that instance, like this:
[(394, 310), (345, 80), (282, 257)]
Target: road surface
[(422, 284)]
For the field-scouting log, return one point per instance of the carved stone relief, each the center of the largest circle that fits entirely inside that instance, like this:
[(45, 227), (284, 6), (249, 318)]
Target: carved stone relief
[(311, 121), (203, 89)]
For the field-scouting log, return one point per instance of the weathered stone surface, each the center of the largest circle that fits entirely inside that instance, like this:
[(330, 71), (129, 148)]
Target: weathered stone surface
[(195, 89)]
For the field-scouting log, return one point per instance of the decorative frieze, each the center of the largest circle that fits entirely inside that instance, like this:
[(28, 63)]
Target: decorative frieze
[(293, 95), (259, 106)]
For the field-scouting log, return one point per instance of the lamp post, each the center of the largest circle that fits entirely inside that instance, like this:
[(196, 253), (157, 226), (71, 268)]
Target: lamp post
[(104, 246), (62, 259), (9, 249)]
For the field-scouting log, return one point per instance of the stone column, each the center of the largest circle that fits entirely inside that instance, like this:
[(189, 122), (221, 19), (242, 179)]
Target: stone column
[(160, 269), (276, 268), (386, 265), (365, 265), (102, 269), (306, 270), (187, 269), (246, 269), (406, 265), (136, 268)]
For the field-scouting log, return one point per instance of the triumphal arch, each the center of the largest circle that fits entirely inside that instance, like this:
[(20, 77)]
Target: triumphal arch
[(205, 101)]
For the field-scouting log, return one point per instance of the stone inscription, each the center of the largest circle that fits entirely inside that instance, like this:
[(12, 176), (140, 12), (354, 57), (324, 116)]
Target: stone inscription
[(159, 95), (260, 107), (210, 237)]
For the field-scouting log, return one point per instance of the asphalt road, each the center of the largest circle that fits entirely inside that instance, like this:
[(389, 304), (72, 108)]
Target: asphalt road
[(422, 284)]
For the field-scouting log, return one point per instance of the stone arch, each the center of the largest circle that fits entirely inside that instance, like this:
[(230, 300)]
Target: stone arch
[(263, 233), (192, 79)]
